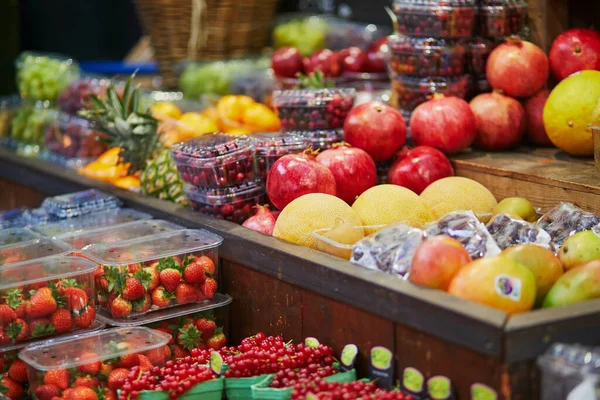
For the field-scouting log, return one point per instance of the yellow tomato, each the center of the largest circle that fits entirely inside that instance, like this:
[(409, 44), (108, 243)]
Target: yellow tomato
[(259, 117), (165, 109), (231, 108), (195, 124)]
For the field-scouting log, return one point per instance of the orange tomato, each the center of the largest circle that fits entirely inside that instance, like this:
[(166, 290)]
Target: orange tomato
[(231, 108), (259, 117)]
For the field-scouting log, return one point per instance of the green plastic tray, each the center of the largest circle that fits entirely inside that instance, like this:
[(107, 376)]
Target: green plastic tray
[(262, 391), (210, 390), (241, 388)]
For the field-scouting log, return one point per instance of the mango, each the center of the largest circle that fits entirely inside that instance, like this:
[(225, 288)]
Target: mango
[(579, 249), (544, 265), (497, 282), (576, 285), (516, 206)]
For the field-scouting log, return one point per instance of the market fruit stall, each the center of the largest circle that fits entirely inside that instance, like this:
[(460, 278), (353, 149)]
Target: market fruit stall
[(282, 288)]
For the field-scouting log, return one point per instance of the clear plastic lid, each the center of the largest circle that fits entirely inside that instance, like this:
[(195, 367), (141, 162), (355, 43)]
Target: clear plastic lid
[(220, 300), (441, 4), (571, 358), (267, 142), (37, 250), (91, 221), (311, 97), (152, 247), (232, 194), (44, 270), (420, 45), (320, 136), (80, 203), (12, 236), (128, 231), (432, 83), (213, 146), (108, 344)]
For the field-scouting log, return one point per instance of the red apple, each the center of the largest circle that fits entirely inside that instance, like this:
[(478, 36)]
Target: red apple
[(353, 59), (436, 261), (419, 167), (287, 62), (327, 62), (518, 68), (376, 128), (377, 57), (573, 51), (446, 123), (380, 45), (501, 121), (353, 169), (534, 112)]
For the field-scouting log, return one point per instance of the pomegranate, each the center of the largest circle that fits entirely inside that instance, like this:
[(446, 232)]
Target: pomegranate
[(353, 59), (534, 112), (326, 61), (376, 57), (501, 121), (518, 68), (446, 123), (573, 51), (263, 221), (376, 128), (295, 175), (419, 167), (287, 62), (353, 169)]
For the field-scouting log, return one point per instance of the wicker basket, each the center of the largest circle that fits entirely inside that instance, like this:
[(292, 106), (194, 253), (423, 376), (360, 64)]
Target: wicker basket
[(204, 29)]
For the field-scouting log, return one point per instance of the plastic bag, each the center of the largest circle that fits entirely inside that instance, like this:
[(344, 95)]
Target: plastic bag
[(565, 220), (508, 232), (389, 250), (469, 231)]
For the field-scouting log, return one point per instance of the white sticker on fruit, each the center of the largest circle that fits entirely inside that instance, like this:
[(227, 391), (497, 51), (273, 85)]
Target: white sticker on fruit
[(508, 287)]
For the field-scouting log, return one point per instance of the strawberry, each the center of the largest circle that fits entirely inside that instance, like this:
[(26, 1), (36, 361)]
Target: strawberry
[(18, 330), (200, 297), (170, 278), (120, 307), (153, 280), (128, 360), (168, 331), (58, 377), (106, 369), (185, 293), (145, 363), (116, 377), (83, 393), (100, 279), (142, 305), (87, 381), (207, 327), (4, 339), (207, 264), (194, 273), (61, 320), (107, 394), (177, 260), (189, 337), (85, 318), (209, 288), (15, 299), (11, 389), (75, 298), (41, 327), (133, 268), (18, 371), (168, 354), (161, 298), (178, 352), (68, 394), (133, 289), (42, 303), (218, 340), (47, 392), (91, 368), (7, 314)]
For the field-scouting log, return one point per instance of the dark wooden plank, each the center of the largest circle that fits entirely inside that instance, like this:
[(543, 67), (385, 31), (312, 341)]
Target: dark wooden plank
[(524, 380), (15, 195), (547, 18), (339, 324)]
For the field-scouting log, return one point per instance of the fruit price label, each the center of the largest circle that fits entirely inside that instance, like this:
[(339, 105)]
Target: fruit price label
[(440, 388), (413, 381), (382, 367), (480, 391), (216, 363), (348, 357), (311, 342), (509, 287)]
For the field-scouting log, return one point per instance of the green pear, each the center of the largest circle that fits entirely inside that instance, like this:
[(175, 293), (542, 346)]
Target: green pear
[(516, 206), (579, 249), (579, 284)]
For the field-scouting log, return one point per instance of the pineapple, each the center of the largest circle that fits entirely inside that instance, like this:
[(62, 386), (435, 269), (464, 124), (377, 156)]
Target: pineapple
[(136, 133)]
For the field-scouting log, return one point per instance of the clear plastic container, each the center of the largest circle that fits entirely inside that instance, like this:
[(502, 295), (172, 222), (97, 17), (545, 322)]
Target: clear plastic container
[(72, 137), (146, 273), (37, 249), (60, 293), (92, 221), (566, 366), (80, 203), (43, 76), (113, 348), (270, 147), (77, 95), (283, 83), (408, 91), (9, 105), (313, 109), (235, 204), (426, 56), (29, 125), (11, 236), (12, 218), (342, 34), (215, 160), (479, 50), (128, 231), (436, 18), (320, 139), (501, 18)]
